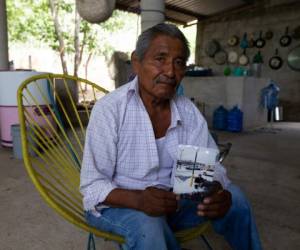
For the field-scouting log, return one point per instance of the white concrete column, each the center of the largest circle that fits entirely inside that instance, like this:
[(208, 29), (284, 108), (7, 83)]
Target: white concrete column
[(4, 65), (152, 13)]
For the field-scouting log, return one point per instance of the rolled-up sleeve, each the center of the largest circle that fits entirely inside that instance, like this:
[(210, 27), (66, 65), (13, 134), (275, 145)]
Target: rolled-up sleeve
[(99, 156)]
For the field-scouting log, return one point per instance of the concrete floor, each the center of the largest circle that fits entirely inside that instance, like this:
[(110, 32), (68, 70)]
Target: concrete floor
[(265, 165)]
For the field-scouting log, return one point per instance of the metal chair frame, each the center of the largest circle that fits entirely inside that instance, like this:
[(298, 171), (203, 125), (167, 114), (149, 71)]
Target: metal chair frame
[(52, 135)]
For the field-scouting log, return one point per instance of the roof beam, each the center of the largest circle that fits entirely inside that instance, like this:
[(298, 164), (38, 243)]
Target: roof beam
[(175, 21), (136, 10), (185, 12)]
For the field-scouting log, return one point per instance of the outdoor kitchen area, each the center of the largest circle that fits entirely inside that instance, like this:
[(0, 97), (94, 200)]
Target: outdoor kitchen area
[(112, 137)]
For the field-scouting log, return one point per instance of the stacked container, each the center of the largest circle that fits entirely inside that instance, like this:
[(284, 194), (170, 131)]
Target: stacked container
[(228, 120), (235, 120), (9, 84), (220, 118)]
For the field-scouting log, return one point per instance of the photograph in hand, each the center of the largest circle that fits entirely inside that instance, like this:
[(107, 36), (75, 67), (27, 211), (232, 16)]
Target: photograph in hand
[(194, 172)]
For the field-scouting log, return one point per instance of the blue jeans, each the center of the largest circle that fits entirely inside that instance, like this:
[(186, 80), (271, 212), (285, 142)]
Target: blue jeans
[(143, 232)]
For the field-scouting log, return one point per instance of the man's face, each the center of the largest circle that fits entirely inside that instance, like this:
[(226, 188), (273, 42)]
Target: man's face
[(162, 68)]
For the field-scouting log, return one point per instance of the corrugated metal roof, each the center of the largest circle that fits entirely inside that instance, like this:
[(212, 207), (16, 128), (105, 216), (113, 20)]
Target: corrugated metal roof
[(185, 11)]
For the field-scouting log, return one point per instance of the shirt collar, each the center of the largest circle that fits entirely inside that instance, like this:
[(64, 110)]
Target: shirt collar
[(133, 87), (175, 117)]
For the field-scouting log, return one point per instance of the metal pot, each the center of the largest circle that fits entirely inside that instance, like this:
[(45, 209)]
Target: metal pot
[(233, 41), (293, 58), (212, 47), (269, 35), (232, 57), (260, 42), (275, 61), (220, 57), (286, 39), (243, 59), (251, 41)]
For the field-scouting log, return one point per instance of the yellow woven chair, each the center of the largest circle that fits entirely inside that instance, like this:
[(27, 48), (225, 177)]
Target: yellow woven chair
[(54, 111)]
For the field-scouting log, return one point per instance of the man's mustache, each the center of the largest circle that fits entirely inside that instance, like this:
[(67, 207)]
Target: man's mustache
[(166, 80)]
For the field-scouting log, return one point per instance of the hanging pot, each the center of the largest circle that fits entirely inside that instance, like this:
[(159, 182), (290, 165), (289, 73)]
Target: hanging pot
[(260, 42), (286, 39), (275, 61), (251, 41), (232, 57), (212, 47), (220, 57), (233, 41), (293, 58), (269, 35), (243, 59), (244, 42)]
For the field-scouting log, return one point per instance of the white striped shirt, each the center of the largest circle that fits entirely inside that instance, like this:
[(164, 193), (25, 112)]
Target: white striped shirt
[(166, 163), (120, 149)]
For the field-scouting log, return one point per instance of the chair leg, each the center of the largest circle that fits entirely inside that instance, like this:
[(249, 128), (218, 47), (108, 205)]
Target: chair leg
[(206, 242), (91, 242)]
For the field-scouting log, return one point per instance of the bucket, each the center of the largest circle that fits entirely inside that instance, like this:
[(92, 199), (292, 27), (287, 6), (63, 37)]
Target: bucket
[(17, 143)]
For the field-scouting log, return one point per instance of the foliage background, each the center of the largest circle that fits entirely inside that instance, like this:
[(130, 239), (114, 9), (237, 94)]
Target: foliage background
[(31, 28)]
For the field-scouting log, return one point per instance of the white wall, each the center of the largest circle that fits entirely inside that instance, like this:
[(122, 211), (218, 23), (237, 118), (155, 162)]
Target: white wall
[(273, 17), (229, 92)]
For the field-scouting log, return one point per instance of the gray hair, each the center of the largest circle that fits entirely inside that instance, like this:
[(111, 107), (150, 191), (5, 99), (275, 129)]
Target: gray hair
[(146, 37)]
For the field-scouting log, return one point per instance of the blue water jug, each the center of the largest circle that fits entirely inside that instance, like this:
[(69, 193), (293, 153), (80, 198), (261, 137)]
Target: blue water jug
[(235, 120), (220, 118)]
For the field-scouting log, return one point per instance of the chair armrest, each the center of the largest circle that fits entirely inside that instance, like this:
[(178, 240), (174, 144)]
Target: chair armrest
[(224, 150)]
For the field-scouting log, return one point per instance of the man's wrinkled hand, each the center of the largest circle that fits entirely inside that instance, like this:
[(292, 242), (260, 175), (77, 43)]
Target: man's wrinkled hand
[(216, 205), (157, 202)]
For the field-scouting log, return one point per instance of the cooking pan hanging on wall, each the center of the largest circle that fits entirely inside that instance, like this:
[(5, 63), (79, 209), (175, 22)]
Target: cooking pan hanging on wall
[(286, 39), (232, 57), (233, 41), (275, 61), (260, 42), (220, 57), (212, 47), (294, 58), (268, 35), (251, 41), (243, 59)]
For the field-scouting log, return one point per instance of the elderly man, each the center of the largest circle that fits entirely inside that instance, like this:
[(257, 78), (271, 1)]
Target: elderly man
[(130, 153)]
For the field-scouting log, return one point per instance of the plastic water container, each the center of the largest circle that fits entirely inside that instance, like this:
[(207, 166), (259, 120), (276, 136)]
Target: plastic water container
[(235, 120), (220, 118), (17, 143), (9, 84), (16, 139)]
